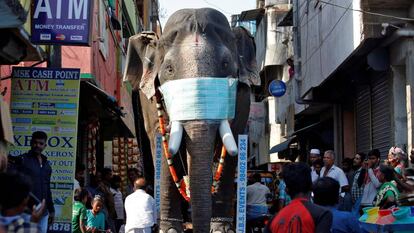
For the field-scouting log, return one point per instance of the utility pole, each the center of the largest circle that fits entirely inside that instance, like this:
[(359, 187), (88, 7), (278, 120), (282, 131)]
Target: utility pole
[(55, 56)]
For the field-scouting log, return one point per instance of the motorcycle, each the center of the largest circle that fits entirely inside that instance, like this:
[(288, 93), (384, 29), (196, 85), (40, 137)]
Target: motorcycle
[(258, 225)]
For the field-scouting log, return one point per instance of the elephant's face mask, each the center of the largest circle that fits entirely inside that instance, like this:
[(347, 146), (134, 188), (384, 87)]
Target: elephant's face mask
[(201, 98)]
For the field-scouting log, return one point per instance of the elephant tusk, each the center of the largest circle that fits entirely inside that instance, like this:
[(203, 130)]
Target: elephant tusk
[(176, 135), (227, 138)]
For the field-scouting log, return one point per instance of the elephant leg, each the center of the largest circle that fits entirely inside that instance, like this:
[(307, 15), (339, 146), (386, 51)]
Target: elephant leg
[(224, 197), (170, 206)]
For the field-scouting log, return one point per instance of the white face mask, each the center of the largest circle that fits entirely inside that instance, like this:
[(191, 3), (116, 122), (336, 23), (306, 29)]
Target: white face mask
[(200, 98)]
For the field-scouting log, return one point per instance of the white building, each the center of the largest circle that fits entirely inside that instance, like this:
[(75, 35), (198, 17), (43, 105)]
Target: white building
[(354, 71)]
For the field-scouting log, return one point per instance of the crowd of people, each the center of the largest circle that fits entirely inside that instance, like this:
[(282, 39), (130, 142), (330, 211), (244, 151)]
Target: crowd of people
[(314, 197), (323, 197), (100, 207), (26, 203)]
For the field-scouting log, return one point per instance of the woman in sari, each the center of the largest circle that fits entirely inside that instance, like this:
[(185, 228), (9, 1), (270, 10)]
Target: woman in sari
[(388, 193)]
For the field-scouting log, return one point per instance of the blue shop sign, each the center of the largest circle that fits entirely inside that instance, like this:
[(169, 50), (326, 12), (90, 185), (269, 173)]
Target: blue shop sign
[(63, 22), (277, 88)]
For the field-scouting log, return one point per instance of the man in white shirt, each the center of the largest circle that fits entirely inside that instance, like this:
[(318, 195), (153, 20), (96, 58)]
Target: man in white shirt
[(334, 172), (257, 195), (314, 155), (140, 209)]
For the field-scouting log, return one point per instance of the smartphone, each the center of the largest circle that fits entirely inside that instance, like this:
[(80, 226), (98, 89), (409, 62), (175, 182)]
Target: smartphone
[(37, 201)]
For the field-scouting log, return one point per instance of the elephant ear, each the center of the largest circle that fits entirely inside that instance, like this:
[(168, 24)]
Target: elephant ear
[(246, 48), (140, 69)]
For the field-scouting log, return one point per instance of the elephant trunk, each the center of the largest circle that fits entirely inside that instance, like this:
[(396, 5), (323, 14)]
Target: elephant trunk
[(200, 142)]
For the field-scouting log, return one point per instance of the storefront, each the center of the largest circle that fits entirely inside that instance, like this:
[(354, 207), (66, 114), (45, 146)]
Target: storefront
[(104, 139)]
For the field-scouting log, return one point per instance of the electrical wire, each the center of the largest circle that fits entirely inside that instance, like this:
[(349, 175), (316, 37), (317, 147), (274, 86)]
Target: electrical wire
[(215, 6), (367, 12)]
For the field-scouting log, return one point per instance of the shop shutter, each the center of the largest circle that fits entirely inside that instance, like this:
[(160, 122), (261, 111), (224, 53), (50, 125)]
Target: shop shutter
[(381, 113), (363, 119)]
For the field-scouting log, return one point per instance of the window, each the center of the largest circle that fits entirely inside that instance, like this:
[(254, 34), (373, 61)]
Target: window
[(103, 33)]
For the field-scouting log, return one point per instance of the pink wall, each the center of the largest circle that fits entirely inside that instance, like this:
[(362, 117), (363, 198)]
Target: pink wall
[(5, 71), (77, 57), (90, 59), (104, 70)]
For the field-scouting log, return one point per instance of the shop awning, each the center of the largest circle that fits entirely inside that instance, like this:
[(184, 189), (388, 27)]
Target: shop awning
[(15, 45), (108, 109), (12, 14), (282, 146), (250, 15), (306, 128)]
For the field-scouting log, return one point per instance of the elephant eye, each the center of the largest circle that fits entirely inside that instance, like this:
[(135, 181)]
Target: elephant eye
[(225, 64), (169, 69)]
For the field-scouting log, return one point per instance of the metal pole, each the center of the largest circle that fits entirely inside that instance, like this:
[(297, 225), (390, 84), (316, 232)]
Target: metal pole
[(55, 57)]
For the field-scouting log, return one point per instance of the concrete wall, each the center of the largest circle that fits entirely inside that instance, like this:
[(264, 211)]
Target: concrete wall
[(402, 64), (329, 34)]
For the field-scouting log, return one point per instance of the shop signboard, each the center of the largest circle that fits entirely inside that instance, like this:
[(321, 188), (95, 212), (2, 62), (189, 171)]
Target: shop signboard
[(63, 22), (47, 100), (242, 184)]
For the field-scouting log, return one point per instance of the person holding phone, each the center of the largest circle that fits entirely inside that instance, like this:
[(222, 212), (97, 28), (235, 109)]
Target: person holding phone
[(34, 164), (15, 201), (371, 181)]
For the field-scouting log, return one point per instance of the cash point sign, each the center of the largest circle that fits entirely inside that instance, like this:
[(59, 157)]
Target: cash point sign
[(64, 22), (47, 100)]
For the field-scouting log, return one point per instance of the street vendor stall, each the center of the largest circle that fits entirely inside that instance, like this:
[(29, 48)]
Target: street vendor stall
[(400, 219)]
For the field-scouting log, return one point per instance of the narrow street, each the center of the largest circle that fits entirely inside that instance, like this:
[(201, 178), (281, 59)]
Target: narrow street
[(206, 116)]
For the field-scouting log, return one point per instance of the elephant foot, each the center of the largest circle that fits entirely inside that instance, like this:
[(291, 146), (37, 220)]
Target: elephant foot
[(169, 225), (221, 225)]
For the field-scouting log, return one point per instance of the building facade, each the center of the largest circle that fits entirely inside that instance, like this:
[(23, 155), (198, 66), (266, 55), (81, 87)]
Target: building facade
[(106, 120), (353, 71)]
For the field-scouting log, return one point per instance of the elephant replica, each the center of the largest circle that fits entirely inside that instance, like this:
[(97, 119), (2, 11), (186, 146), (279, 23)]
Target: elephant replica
[(194, 89)]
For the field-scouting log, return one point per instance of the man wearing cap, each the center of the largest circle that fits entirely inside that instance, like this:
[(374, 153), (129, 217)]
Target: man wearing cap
[(314, 155)]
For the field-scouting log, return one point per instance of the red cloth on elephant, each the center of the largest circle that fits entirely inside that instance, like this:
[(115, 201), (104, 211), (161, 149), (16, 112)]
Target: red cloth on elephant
[(302, 216)]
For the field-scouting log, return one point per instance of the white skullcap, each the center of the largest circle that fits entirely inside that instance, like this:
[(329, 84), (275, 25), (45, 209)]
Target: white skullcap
[(315, 151)]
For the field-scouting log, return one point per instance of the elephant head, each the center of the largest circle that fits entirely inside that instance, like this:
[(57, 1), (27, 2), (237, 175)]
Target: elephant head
[(204, 70)]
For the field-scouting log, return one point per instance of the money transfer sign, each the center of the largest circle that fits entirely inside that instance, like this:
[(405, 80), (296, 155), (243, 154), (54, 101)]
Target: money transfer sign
[(47, 100), (65, 22)]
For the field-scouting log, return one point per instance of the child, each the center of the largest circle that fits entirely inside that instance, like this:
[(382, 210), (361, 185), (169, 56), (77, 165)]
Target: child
[(79, 210), (95, 217)]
